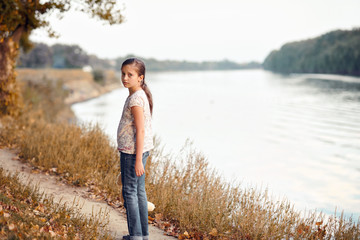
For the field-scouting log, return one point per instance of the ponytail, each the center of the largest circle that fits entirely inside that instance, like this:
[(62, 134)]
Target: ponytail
[(148, 94), (140, 65)]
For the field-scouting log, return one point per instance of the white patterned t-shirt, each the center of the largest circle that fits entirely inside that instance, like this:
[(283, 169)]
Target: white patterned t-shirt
[(126, 133)]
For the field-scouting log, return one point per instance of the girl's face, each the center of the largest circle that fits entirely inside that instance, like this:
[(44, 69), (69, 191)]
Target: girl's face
[(130, 78)]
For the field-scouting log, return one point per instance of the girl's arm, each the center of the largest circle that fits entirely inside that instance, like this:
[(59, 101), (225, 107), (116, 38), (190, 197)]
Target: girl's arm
[(138, 114)]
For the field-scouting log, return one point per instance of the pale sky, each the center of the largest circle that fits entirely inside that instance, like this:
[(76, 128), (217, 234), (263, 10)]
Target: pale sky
[(197, 30)]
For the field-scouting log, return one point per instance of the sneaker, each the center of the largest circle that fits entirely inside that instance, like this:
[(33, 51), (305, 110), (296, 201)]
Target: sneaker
[(126, 237)]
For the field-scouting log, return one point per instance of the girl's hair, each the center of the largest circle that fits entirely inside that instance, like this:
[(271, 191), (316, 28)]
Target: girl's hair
[(140, 66)]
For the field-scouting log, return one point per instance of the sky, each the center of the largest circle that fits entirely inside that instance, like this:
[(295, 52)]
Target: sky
[(198, 30)]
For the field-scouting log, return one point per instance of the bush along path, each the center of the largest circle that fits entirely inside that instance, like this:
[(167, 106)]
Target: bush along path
[(72, 196)]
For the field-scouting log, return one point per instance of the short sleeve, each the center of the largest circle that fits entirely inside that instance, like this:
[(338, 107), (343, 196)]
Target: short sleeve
[(136, 101)]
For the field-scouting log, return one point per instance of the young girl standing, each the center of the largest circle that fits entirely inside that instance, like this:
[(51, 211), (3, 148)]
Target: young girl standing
[(135, 140)]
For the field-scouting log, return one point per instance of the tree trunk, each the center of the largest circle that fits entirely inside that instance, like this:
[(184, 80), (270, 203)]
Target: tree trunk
[(10, 97)]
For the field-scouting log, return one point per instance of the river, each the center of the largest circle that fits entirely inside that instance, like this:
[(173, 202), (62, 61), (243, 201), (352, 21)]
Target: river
[(297, 135)]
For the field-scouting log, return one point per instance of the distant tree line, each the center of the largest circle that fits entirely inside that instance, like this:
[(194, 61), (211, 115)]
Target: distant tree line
[(336, 52), (59, 56), (173, 65), (73, 56)]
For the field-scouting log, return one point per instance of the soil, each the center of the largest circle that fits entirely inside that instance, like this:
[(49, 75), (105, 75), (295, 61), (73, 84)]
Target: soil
[(50, 185)]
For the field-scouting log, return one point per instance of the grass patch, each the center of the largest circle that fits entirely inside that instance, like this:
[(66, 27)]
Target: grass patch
[(27, 214), (192, 200)]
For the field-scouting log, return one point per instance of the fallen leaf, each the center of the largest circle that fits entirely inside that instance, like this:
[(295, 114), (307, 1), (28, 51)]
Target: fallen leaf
[(12, 227), (36, 212), (182, 236), (158, 217), (213, 232), (53, 234)]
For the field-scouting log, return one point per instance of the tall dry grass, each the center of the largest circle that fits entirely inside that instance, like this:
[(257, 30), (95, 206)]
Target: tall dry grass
[(186, 191), (81, 155)]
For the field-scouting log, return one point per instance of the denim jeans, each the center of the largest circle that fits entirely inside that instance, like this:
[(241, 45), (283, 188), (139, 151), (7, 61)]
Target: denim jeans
[(135, 201)]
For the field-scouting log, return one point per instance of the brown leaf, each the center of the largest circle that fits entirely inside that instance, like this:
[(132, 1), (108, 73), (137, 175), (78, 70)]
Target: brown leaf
[(53, 234), (185, 235), (319, 223), (213, 232), (181, 236), (158, 217)]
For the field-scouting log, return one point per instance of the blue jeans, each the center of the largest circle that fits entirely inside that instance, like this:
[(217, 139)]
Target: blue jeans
[(135, 201)]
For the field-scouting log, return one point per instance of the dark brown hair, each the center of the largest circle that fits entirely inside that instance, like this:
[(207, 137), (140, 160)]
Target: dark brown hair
[(140, 66)]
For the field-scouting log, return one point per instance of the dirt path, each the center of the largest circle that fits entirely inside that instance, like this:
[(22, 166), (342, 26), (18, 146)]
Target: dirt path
[(66, 193)]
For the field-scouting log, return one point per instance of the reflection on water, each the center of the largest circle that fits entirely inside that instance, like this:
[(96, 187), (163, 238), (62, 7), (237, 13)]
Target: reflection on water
[(298, 135)]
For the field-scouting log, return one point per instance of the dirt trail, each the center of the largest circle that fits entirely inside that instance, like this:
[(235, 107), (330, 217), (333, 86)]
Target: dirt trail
[(49, 185)]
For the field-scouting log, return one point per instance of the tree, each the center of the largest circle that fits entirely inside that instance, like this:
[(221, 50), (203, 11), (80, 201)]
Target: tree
[(69, 56), (17, 20), (39, 57), (335, 52)]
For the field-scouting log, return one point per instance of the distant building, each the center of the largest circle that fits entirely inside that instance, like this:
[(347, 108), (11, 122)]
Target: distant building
[(87, 68)]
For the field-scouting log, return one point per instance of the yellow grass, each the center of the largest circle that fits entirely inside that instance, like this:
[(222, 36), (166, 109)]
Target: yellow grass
[(186, 191), (64, 75)]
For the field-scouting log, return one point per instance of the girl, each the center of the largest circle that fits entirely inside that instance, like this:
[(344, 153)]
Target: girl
[(134, 137)]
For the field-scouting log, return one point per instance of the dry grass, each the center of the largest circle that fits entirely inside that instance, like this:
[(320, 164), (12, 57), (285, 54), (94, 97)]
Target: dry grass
[(25, 213), (63, 75), (81, 155), (194, 196), (186, 191)]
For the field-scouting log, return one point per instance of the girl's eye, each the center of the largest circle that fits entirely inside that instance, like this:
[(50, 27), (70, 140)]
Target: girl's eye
[(130, 74)]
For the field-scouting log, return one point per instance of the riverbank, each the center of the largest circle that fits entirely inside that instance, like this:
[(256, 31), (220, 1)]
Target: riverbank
[(79, 84), (192, 200)]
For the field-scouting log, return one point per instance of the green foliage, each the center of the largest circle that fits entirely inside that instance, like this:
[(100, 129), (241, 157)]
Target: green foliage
[(73, 56), (32, 14), (68, 56), (39, 57), (172, 65), (98, 75), (336, 52), (56, 56)]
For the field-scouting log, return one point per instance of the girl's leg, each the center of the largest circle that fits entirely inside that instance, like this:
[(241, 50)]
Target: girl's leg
[(130, 185), (143, 208)]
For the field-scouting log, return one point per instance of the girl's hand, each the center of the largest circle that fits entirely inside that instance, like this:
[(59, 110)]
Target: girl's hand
[(139, 168)]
